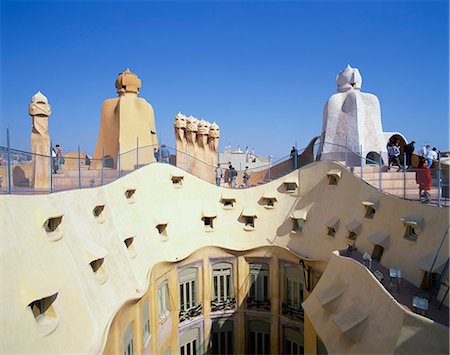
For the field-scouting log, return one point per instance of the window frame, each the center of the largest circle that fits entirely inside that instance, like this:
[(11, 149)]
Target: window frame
[(163, 301)]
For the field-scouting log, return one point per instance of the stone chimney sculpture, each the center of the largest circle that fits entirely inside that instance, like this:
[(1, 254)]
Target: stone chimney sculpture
[(39, 110), (197, 143), (126, 120), (352, 120)]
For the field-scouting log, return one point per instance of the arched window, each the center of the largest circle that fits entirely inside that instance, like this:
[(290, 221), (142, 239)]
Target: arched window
[(294, 286), (258, 337), (259, 285), (222, 287), (188, 293), (190, 342)]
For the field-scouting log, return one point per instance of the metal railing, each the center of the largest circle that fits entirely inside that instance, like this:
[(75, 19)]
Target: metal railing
[(20, 171)]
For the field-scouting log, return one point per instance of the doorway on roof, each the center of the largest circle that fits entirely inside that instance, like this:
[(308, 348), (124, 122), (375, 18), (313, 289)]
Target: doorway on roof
[(373, 158), (427, 281), (377, 252), (109, 162), (397, 138)]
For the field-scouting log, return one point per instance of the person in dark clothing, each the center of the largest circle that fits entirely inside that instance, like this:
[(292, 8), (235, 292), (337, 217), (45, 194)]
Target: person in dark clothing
[(294, 155), (409, 150)]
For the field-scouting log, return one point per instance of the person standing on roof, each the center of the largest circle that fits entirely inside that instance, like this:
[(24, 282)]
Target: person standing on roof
[(424, 151), (165, 154), (294, 155), (246, 176), (431, 155), (409, 150), (60, 156), (218, 174), (423, 179)]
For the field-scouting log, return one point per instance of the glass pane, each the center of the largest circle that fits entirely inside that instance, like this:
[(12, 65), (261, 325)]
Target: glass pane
[(222, 343), (194, 347), (215, 349), (215, 293), (229, 344), (182, 297), (188, 296), (266, 344), (252, 344), (221, 294), (252, 286), (259, 343), (296, 291), (188, 349), (228, 288), (266, 287), (182, 350), (193, 303), (288, 291), (287, 349)]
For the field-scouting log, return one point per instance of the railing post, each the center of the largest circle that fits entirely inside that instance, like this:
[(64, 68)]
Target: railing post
[(9, 160), (361, 160), (381, 168), (270, 163), (404, 175), (79, 168), (103, 164), (118, 161), (439, 180), (137, 152), (51, 167)]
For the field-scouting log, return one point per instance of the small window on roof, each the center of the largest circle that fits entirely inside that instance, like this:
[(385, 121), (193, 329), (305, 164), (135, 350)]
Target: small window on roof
[(331, 231), (162, 230), (208, 223), (332, 226), (290, 186), (332, 180), (98, 210), (370, 212), (129, 244), (352, 236), (177, 180), (52, 224), (228, 202), (333, 176), (98, 269), (248, 218), (297, 225), (268, 202), (53, 228), (45, 314), (411, 233), (129, 194), (250, 221), (99, 213), (412, 228), (369, 208)]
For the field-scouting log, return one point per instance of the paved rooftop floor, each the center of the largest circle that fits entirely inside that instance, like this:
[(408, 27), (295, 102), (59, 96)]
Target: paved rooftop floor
[(405, 293)]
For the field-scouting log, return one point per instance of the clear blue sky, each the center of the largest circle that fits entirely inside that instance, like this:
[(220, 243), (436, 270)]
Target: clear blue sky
[(261, 70)]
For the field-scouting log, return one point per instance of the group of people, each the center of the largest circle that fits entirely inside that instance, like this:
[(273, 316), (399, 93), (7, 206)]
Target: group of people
[(423, 173), (162, 155), (394, 154), (393, 150), (230, 176)]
